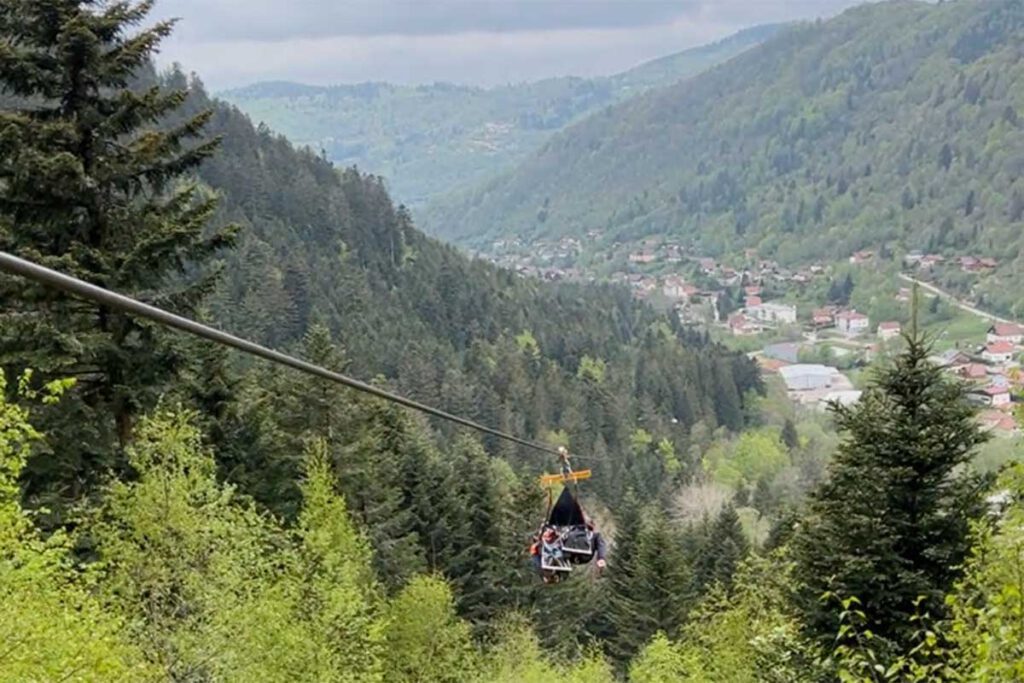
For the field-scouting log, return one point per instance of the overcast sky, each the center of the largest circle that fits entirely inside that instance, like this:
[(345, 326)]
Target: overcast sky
[(235, 42)]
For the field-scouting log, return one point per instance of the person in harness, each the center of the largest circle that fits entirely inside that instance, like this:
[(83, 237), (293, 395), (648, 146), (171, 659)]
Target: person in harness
[(567, 538), (556, 550)]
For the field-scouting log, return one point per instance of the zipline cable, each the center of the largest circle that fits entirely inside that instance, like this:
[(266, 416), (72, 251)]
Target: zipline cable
[(51, 278)]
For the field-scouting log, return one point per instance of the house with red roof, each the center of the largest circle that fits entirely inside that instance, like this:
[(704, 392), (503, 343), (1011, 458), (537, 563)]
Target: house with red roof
[(998, 352), (974, 372), (822, 317), (888, 330), (953, 359), (1005, 332), (852, 323), (998, 422), (740, 325), (994, 396), (771, 364)]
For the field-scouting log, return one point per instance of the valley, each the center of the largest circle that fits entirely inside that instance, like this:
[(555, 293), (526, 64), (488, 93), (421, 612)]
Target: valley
[(430, 139), (706, 370), (894, 124)]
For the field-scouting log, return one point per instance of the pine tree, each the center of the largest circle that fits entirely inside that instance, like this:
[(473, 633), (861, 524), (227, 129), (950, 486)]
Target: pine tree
[(721, 552), (891, 523), (369, 468), (626, 639), (790, 437), (650, 580), (92, 185)]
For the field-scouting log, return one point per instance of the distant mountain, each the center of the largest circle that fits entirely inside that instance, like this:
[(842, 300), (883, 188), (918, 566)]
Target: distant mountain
[(428, 139), (898, 122)]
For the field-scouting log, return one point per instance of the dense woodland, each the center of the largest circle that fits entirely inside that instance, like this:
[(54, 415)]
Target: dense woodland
[(429, 139), (896, 122), (171, 511)]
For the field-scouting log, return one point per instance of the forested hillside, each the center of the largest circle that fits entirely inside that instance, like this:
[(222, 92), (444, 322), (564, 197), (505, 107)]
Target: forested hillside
[(173, 511), (211, 217), (318, 246), (897, 121), (427, 139)]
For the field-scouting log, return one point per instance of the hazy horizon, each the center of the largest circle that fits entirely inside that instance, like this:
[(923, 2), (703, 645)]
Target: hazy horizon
[(468, 42)]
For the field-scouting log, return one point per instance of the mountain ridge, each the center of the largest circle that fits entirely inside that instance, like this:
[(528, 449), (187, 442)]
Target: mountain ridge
[(895, 122), (426, 139)]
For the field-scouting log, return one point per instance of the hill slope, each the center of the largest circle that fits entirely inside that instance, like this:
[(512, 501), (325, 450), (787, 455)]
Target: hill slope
[(427, 139), (531, 357), (899, 121)]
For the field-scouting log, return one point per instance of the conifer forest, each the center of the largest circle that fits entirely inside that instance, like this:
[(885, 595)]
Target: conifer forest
[(175, 509)]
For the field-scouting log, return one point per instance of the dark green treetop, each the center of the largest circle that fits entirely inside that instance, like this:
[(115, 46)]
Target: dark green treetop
[(94, 181), (891, 523)]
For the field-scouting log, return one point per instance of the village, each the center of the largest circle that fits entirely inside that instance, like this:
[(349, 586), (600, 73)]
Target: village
[(990, 368), (804, 346)]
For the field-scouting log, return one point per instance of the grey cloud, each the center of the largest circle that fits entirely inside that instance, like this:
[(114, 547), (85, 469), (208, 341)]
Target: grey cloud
[(277, 20), (485, 42)]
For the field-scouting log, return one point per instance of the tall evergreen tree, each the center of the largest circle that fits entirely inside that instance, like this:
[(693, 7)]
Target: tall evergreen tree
[(91, 184), (790, 437), (891, 523), (650, 580), (722, 550)]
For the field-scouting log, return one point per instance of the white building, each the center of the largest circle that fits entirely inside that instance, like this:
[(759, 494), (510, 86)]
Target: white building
[(771, 312), (888, 330), (846, 397), (674, 287), (998, 352), (807, 377), (852, 323), (1005, 332), (643, 256), (997, 397)]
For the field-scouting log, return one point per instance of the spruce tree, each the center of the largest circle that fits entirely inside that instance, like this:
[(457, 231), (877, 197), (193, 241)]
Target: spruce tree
[(790, 437), (94, 182), (650, 580), (891, 523), (722, 550)]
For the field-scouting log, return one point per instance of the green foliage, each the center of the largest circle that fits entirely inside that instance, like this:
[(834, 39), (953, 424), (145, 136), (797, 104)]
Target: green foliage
[(988, 605), (212, 588), (669, 460), (859, 656), (528, 344), (425, 640), (659, 661), (591, 370), (182, 554), (516, 657), (51, 623), (751, 634), (755, 455), (722, 549), (651, 580), (94, 182), (891, 524)]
